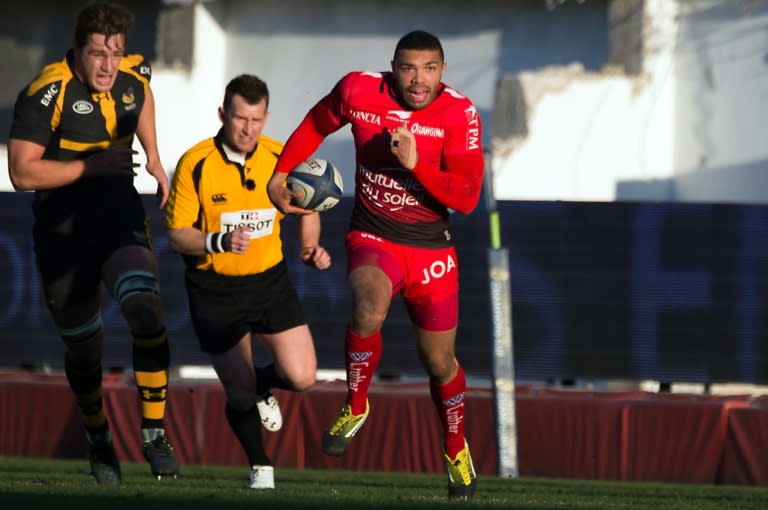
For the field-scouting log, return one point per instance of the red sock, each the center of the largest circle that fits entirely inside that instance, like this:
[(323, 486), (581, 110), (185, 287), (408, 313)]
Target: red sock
[(363, 355), (449, 401)]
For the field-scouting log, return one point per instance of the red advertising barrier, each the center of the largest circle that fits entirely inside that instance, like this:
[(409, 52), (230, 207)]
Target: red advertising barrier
[(633, 436)]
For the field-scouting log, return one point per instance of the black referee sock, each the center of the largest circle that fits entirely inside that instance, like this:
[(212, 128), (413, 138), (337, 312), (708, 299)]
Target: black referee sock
[(268, 378), (247, 427)]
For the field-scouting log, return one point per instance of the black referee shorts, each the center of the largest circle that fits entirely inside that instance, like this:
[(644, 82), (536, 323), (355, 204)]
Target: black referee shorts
[(224, 308)]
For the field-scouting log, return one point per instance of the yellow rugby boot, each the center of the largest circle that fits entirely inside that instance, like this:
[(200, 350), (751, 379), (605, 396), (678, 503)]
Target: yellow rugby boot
[(339, 435), (462, 478)]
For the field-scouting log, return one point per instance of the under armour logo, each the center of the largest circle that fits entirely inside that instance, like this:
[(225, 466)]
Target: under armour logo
[(153, 395)]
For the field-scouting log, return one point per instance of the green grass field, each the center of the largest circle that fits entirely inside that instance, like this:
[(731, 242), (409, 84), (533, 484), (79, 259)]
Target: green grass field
[(30, 484)]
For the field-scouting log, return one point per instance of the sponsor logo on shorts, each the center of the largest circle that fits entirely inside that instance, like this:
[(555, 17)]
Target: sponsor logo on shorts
[(366, 235), (438, 269)]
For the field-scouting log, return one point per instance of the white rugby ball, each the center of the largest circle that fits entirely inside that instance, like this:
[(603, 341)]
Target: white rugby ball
[(321, 183)]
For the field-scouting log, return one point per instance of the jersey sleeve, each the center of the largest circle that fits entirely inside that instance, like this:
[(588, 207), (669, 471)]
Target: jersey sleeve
[(183, 207), (458, 183), (35, 113), (135, 65), (326, 117)]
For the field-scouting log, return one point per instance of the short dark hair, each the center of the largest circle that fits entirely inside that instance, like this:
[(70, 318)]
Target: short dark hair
[(102, 18), (419, 40), (249, 87)]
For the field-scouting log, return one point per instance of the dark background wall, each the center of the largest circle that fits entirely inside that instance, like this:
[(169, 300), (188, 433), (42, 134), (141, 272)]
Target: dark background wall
[(634, 291)]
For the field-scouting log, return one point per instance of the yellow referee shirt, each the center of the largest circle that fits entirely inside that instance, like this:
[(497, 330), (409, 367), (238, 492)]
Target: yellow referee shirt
[(214, 194)]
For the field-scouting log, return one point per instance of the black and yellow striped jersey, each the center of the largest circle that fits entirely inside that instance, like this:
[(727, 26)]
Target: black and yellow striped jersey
[(214, 194), (61, 113)]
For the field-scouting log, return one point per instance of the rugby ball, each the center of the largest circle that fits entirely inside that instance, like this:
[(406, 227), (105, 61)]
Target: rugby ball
[(321, 183)]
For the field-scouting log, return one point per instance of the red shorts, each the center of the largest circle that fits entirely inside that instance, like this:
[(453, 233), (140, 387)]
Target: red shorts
[(427, 278)]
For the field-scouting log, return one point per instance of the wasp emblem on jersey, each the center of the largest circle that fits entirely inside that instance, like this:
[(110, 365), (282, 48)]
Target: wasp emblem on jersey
[(128, 96)]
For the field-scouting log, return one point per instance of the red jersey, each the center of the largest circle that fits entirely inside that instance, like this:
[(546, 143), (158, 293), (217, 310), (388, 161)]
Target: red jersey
[(405, 206)]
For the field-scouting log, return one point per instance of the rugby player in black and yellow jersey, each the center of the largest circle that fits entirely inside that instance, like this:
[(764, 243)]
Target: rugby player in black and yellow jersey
[(70, 141), (221, 220)]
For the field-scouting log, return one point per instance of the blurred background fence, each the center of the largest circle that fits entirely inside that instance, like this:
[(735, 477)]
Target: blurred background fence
[(611, 290)]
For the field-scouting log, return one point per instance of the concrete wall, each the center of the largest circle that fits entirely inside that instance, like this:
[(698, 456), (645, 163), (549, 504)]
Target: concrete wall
[(584, 100), (620, 98), (689, 125), (722, 102), (301, 47), (301, 50)]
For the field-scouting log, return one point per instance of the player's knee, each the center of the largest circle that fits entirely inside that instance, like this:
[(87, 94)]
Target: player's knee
[(84, 334), (297, 373), (303, 380), (83, 342), (133, 283), (138, 294), (440, 366), (368, 319)]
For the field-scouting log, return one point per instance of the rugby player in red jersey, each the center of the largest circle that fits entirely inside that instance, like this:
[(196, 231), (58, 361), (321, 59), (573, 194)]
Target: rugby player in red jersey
[(418, 156)]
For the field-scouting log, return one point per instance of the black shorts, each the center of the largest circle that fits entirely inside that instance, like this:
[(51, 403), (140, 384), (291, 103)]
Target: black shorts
[(70, 253), (224, 308)]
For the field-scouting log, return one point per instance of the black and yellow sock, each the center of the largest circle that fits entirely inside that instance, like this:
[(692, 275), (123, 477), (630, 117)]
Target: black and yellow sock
[(82, 365), (151, 359), (86, 386)]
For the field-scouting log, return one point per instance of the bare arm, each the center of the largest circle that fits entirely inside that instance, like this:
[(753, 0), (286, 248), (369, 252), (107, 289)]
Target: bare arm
[(29, 171), (146, 131), (309, 237), (187, 241)]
